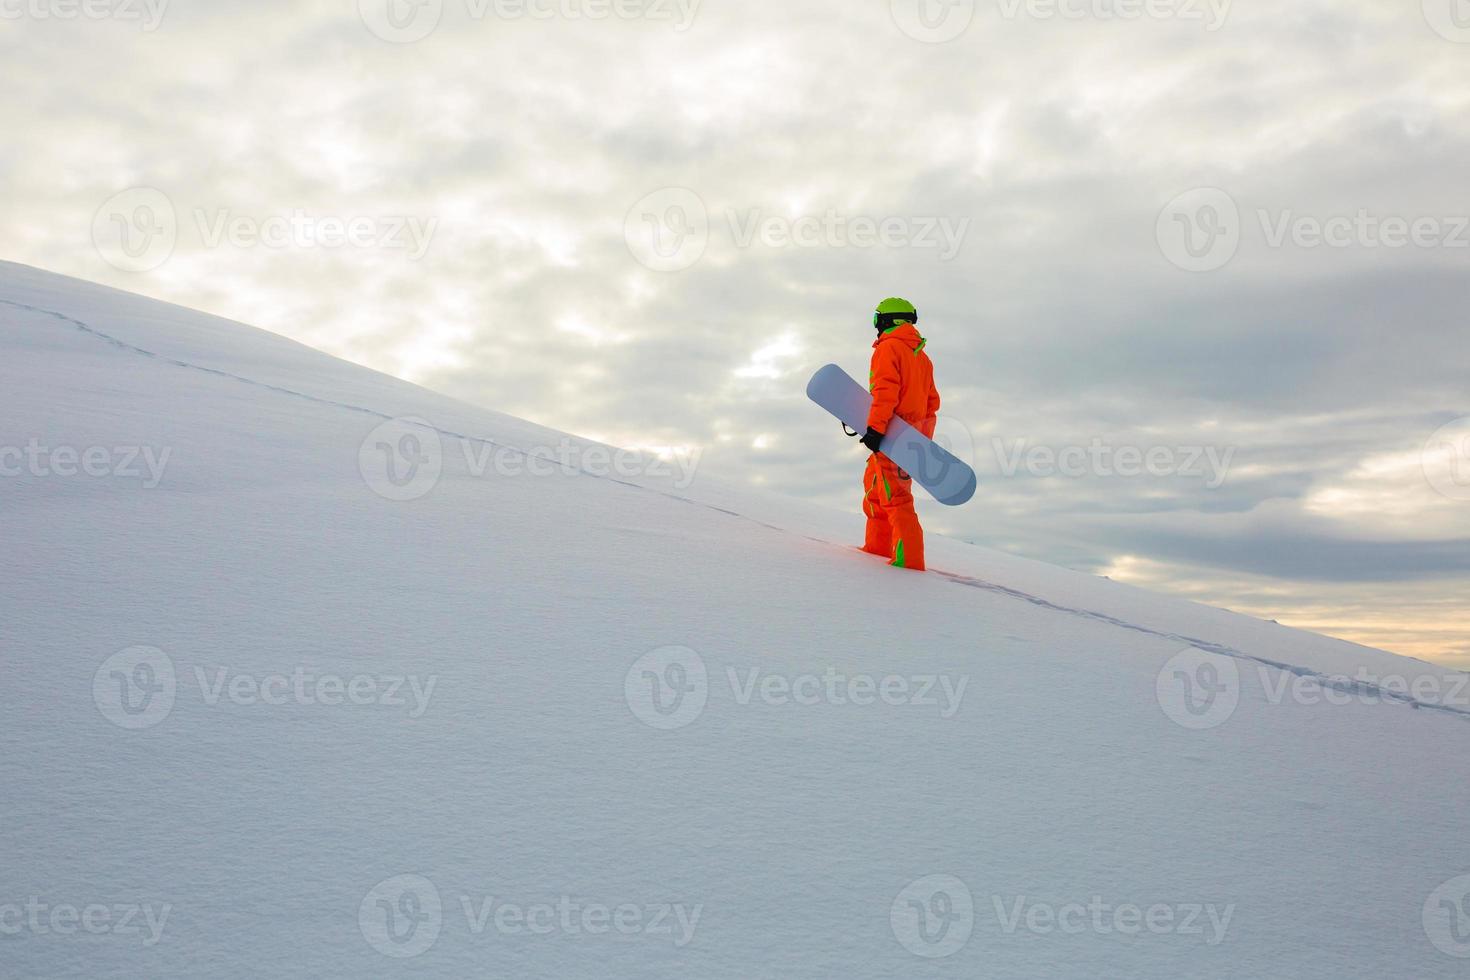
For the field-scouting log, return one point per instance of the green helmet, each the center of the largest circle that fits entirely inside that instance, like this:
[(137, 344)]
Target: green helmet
[(893, 311)]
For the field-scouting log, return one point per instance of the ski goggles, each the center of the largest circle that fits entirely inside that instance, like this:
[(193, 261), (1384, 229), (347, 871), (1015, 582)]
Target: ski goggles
[(886, 321)]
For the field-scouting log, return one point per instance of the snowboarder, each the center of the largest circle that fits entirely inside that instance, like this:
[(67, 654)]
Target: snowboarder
[(901, 380)]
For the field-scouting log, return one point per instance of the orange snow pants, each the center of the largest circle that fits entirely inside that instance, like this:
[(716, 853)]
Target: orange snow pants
[(888, 503)]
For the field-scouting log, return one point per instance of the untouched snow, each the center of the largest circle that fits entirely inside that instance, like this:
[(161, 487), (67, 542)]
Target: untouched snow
[(603, 726)]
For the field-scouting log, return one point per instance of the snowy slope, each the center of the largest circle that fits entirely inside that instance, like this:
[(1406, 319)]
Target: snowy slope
[(606, 724)]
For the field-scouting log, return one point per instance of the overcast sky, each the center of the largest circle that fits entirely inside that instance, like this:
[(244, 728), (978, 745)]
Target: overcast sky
[(1231, 237)]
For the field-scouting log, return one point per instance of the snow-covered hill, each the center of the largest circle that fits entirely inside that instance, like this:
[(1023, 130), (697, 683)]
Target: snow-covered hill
[(296, 688)]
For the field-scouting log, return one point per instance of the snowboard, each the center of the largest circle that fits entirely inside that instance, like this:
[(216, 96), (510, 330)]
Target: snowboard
[(948, 478)]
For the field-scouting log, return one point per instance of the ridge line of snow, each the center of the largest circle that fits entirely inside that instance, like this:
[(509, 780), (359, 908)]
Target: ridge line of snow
[(1337, 682), (133, 348), (527, 454)]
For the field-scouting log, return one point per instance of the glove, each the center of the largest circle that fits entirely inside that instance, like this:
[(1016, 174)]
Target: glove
[(872, 439)]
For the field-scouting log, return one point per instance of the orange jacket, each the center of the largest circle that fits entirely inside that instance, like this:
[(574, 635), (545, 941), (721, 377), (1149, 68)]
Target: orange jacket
[(902, 381)]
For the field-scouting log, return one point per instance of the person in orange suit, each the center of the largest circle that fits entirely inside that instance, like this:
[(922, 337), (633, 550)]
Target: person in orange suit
[(901, 380)]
